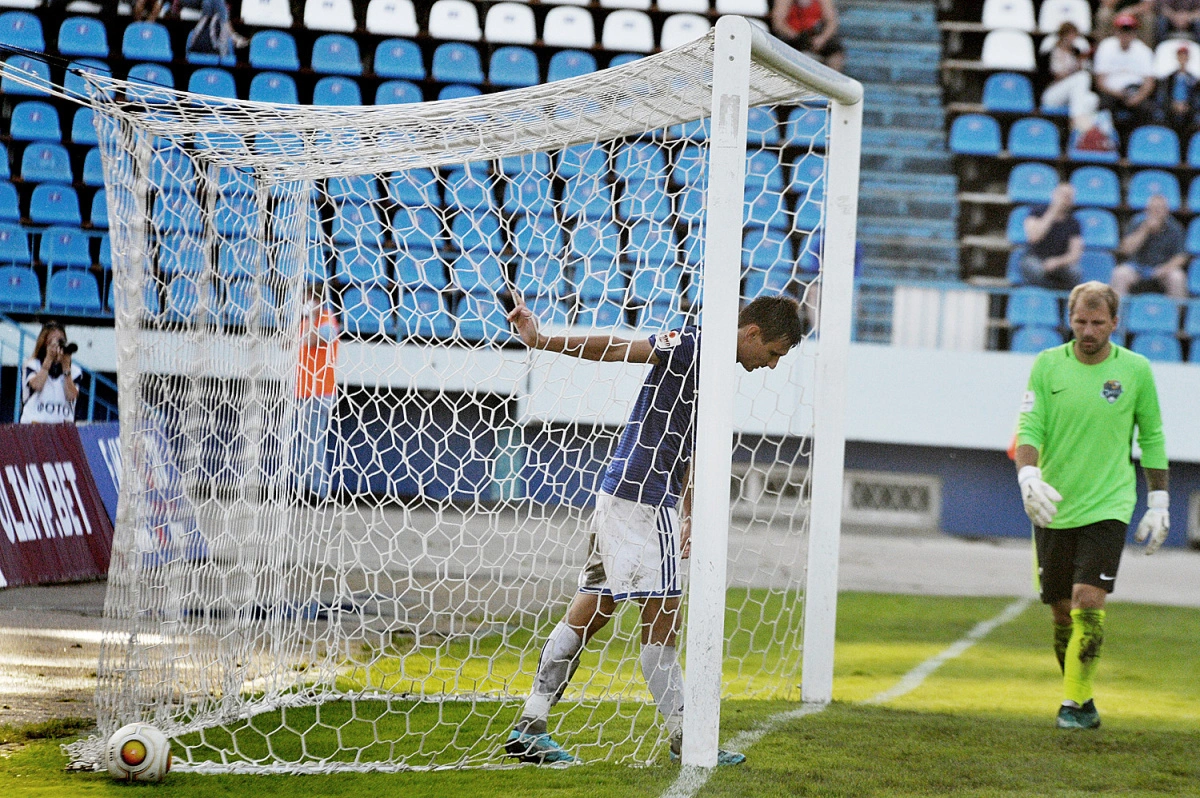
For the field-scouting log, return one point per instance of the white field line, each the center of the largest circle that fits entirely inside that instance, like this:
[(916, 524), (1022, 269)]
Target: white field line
[(692, 778)]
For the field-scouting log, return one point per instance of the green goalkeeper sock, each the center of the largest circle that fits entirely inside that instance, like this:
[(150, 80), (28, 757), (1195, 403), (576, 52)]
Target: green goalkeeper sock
[(1062, 638), (1083, 654)]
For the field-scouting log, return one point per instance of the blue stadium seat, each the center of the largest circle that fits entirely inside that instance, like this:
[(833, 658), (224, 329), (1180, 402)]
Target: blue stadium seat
[(367, 312), (236, 215), (513, 67), (660, 316), (603, 313), (1148, 182), (73, 291), (1035, 339), (550, 312), (589, 158), (538, 162), (1014, 231), (536, 235), (763, 171), (180, 254), (587, 195), (14, 245), (478, 271), (1074, 153), (360, 188), (54, 203), (808, 213), (762, 128), (399, 58), (397, 92), (64, 246), (654, 283), (1192, 241), (594, 240), (1151, 313), (767, 209), (570, 64), (274, 87), (1153, 145), (467, 190), (274, 50), (229, 59), (1158, 347), (477, 230), (422, 314), (414, 187), (336, 90), (147, 41), (541, 274), (40, 71), (651, 245), (93, 168), (596, 281), (1033, 137), (183, 304), (528, 192), (83, 36), (241, 297), (19, 287), (646, 199), (336, 54), (418, 229), (176, 211), (1193, 151), (171, 170), (1008, 92), (1099, 228), (766, 249), (1095, 186), (214, 82), (807, 128), (106, 261), (356, 265), (1191, 320), (641, 161), (1031, 182), (83, 127), (808, 171), (148, 80), (698, 130), (99, 213), (624, 58), (1036, 306), (417, 269), (357, 223), (690, 167), (34, 120), (22, 30), (456, 91), (481, 317), (1097, 264), (457, 62), (46, 162), (975, 134), (10, 209), (75, 84)]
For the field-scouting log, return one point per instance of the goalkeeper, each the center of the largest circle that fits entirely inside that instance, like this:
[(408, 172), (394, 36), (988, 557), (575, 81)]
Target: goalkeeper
[(1079, 485), (638, 536)]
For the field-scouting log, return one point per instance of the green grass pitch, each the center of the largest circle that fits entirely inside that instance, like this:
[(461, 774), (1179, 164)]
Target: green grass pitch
[(981, 725)]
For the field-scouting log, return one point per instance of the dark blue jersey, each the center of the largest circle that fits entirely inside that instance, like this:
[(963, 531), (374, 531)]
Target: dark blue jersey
[(655, 449)]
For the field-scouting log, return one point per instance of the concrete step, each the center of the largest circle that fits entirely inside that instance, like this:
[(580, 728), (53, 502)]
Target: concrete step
[(924, 206), (906, 161), (867, 69), (907, 53), (908, 93), (900, 115), (899, 138), (912, 254), (892, 22), (872, 226)]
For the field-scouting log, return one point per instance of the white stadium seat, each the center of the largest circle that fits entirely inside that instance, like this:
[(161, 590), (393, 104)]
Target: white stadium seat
[(1008, 14), (745, 8), (510, 23), (267, 13), (628, 30), (337, 15), (566, 2), (1054, 13), (392, 18), (569, 26), (686, 6), (454, 19), (1008, 49), (641, 5), (1166, 58), (679, 29)]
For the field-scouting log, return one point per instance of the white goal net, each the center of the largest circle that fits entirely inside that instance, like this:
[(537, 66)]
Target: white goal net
[(358, 573)]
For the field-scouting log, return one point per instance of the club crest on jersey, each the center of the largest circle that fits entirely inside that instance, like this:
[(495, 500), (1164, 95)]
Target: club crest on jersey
[(1112, 390), (668, 340)]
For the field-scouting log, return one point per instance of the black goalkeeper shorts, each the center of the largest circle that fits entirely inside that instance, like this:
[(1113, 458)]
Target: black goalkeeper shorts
[(1084, 555)]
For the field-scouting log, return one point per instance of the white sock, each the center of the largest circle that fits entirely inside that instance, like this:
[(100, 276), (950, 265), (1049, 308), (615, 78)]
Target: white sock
[(560, 657), (664, 677)]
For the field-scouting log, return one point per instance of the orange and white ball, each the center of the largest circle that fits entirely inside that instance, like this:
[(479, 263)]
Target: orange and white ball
[(138, 752)]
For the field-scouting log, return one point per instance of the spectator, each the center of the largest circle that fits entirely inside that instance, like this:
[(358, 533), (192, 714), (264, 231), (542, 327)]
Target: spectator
[(810, 26), (1124, 69), (1175, 19), (316, 393), (51, 382), (1109, 10), (1177, 95), (147, 10), (1070, 81), (1055, 242), (213, 33), (1156, 258)]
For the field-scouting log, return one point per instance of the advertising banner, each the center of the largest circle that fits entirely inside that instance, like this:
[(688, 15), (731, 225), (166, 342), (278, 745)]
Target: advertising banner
[(102, 445)]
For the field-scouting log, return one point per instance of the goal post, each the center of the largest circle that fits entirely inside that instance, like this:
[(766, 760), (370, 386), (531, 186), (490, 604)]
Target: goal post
[(362, 578)]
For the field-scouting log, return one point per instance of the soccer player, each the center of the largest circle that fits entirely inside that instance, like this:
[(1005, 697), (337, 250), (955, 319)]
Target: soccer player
[(1078, 482), (638, 533)]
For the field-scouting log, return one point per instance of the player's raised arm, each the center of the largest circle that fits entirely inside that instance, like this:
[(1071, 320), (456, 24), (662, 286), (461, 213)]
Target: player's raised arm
[(585, 347)]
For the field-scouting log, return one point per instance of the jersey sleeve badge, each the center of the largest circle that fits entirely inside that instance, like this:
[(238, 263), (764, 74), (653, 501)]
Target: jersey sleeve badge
[(1027, 400), (667, 340)]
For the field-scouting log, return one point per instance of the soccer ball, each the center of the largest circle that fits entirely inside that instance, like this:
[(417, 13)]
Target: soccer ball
[(138, 752)]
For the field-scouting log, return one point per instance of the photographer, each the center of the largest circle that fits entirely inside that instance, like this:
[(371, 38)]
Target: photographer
[(51, 379)]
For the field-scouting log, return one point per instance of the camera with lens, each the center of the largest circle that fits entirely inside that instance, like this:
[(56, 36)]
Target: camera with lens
[(71, 348)]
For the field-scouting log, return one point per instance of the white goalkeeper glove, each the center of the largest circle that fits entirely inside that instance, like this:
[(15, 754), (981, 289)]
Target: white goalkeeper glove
[(1041, 500), (1156, 523)]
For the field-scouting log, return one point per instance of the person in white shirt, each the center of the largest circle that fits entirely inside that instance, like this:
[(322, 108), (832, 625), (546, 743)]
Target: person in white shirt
[(1124, 72), (51, 381)]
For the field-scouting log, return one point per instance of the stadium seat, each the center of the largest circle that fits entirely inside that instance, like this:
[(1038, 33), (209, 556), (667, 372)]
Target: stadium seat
[(83, 36), (569, 26), (763, 172), (455, 62), (147, 41), (478, 270), (355, 265), (181, 254), (1166, 59), (146, 80), (1035, 339), (644, 199), (422, 314), (74, 83), (273, 87), (599, 279), (355, 188), (679, 29), (274, 50), (975, 134), (1012, 14), (177, 211), (39, 73), (23, 30), (1151, 313), (513, 67), (52, 203), (480, 317), (1099, 228), (528, 192), (589, 158), (367, 312), (99, 212), (569, 64), (418, 268), (762, 128), (627, 30), (594, 241), (63, 246), (10, 209), (1191, 319), (767, 249), (19, 287), (1158, 347), (477, 231), (14, 246), (392, 18), (236, 215), (213, 82), (807, 127), (1053, 13), (651, 245), (1148, 182), (357, 223), (808, 215), (171, 170), (418, 230), (642, 5), (535, 235), (34, 120), (414, 188), (468, 190), (184, 304), (1014, 231), (656, 283), (1097, 264), (550, 311), (1193, 151), (690, 165), (690, 6), (336, 54), (457, 91), (602, 313), (73, 291), (242, 297), (641, 161), (1074, 153), (333, 15), (1008, 92), (510, 23), (1008, 49), (587, 195), (267, 14), (399, 58), (83, 127), (1032, 182), (336, 90), (1033, 137), (398, 92), (1153, 145), (45, 161), (513, 165), (1095, 186), (624, 58), (456, 20)]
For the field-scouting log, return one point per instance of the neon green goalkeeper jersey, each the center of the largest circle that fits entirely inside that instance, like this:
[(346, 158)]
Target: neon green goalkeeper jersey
[(1081, 420)]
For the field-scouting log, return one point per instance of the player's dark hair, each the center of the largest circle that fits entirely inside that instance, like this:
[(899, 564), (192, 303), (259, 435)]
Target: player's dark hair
[(1093, 294), (39, 348), (778, 317)]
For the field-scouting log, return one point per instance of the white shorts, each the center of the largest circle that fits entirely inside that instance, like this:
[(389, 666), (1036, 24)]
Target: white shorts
[(633, 552)]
